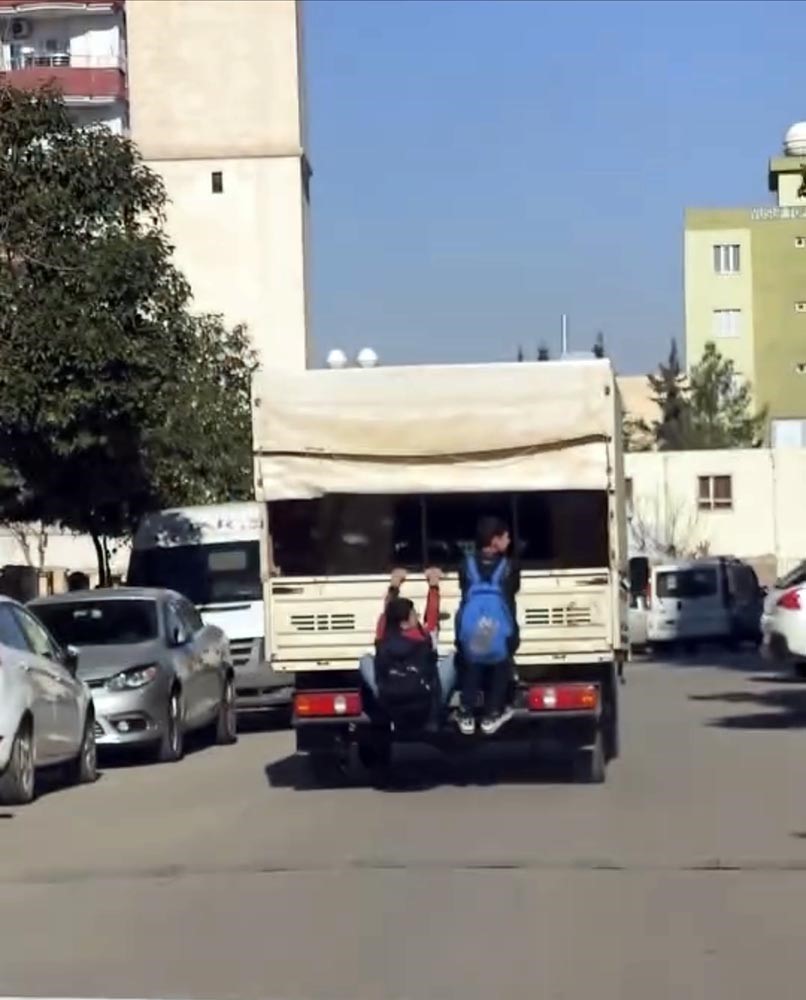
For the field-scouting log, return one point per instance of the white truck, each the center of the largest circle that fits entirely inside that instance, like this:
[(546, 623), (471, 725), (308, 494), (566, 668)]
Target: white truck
[(211, 555), (363, 470)]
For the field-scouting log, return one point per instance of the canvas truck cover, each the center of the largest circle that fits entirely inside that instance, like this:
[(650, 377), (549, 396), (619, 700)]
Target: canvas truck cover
[(458, 428)]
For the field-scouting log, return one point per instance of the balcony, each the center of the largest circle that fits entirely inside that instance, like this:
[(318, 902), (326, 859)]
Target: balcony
[(81, 79)]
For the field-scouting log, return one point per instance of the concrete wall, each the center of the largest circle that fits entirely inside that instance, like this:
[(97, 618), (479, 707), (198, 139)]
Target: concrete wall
[(216, 87), (765, 524)]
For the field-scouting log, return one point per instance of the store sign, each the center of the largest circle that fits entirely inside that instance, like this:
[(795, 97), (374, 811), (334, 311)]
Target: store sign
[(768, 214)]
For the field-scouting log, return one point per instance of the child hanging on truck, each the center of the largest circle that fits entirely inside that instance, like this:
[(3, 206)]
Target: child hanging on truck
[(407, 680), (487, 636)]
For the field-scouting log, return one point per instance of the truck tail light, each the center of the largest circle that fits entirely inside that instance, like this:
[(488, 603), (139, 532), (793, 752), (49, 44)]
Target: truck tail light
[(327, 704), (563, 698), (790, 600)]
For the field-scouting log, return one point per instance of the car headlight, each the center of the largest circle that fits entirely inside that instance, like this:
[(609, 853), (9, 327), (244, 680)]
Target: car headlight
[(137, 677)]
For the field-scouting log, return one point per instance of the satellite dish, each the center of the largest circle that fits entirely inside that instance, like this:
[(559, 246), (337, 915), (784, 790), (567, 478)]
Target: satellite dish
[(336, 358), (367, 358)]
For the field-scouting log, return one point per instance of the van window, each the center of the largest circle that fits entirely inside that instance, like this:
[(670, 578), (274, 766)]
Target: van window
[(204, 574), (688, 583)]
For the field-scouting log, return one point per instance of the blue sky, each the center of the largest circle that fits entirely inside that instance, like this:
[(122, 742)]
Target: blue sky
[(481, 166)]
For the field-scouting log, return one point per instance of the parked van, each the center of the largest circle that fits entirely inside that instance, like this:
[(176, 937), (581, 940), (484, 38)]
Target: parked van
[(704, 600), (211, 555), (638, 617)]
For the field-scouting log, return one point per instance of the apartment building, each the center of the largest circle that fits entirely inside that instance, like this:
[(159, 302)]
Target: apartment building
[(745, 280), (80, 47), (212, 93)]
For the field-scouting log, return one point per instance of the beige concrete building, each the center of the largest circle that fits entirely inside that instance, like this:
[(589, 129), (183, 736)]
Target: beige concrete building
[(742, 502), (745, 290), (217, 107), (212, 92)]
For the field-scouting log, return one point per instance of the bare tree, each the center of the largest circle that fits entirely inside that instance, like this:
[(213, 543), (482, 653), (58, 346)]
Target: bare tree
[(669, 530), (27, 535)]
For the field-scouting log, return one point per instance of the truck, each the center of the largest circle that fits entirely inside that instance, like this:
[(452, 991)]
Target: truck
[(360, 470), (211, 555)]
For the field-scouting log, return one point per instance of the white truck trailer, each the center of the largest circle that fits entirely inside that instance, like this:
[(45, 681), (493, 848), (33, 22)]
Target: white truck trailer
[(365, 470)]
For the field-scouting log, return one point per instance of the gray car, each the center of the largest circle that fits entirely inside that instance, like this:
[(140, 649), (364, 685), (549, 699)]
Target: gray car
[(155, 670)]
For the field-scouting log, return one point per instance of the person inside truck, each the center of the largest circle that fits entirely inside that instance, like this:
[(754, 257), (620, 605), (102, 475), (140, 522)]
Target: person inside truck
[(489, 580), (399, 630)]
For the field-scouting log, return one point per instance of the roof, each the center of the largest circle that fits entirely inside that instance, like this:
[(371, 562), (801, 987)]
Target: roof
[(105, 594), (434, 428)]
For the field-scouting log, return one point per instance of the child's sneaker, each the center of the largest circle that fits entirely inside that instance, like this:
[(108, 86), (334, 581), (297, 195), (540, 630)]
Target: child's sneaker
[(492, 723), (466, 723)]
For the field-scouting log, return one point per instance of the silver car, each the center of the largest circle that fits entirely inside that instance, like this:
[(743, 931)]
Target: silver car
[(155, 670), (46, 715)]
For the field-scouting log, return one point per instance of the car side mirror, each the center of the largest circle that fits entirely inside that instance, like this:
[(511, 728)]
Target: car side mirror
[(70, 659), (178, 637)]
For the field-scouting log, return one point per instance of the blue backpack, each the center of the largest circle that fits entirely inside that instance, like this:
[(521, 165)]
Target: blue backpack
[(484, 623)]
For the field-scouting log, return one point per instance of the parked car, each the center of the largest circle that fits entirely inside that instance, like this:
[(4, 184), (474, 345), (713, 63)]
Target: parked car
[(155, 670), (784, 621), (638, 614), (46, 714), (704, 600)]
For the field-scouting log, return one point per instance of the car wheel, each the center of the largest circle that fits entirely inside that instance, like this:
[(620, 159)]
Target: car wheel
[(18, 781), (84, 769), (226, 727), (171, 746)]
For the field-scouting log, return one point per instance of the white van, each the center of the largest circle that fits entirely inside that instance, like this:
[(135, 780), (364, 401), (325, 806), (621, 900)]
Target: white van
[(704, 600), (212, 556)]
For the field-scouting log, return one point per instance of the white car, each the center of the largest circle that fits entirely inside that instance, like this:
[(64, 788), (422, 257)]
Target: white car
[(783, 622), (46, 714)]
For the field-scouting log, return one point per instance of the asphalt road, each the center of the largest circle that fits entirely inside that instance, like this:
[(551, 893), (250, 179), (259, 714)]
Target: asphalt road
[(683, 876)]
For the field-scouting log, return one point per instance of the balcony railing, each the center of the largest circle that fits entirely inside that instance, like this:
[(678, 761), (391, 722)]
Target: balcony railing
[(62, 60)]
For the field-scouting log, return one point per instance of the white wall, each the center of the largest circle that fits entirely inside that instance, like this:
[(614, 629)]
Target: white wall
[(765, 522), (63, 551)]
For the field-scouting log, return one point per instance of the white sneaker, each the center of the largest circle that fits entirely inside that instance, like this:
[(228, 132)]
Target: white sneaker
[(492, 723), (466, 724)]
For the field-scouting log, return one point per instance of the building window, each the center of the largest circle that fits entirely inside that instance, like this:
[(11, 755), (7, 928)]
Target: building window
[(788, 433), (727, 258), (217, 179), (715, 493), (727, 323), (800, 242), (628, 492)]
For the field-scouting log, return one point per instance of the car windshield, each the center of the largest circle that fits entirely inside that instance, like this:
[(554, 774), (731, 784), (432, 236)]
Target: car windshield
[(205, 574), (101, 623), (793, 578), (687, 583)]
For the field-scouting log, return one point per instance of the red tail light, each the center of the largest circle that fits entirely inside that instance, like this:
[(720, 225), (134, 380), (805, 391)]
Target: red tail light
[(327, 704), (790, 600), (563, 697)]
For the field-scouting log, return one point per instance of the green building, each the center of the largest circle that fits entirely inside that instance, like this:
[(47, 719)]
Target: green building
[(745, 277)]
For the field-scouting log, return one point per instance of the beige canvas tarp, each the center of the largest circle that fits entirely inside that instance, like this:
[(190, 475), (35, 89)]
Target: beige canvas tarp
[(434, 429)]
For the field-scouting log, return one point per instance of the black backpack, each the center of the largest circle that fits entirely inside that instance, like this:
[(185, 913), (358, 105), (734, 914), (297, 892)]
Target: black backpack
[(405, 672)]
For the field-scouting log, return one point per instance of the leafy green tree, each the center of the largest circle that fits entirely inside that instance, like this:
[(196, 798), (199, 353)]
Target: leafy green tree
[(672, 431), (114, 398), (599, 345), (721, 405)]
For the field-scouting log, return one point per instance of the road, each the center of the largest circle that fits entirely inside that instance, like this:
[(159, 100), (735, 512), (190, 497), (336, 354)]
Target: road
[(684, 876)]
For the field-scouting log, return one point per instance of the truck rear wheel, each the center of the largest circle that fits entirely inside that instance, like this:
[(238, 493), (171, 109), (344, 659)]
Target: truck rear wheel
[(590, 765)]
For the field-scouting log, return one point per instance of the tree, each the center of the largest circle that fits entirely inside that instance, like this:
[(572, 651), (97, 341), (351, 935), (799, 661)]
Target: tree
[(672, 431), (599, 345), (721, 405), (520, 354), (114, 398), (543, 352)]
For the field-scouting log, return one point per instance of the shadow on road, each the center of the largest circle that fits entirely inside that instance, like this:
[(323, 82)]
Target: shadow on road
[(742, 661), (781, 709), (416, 769)]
